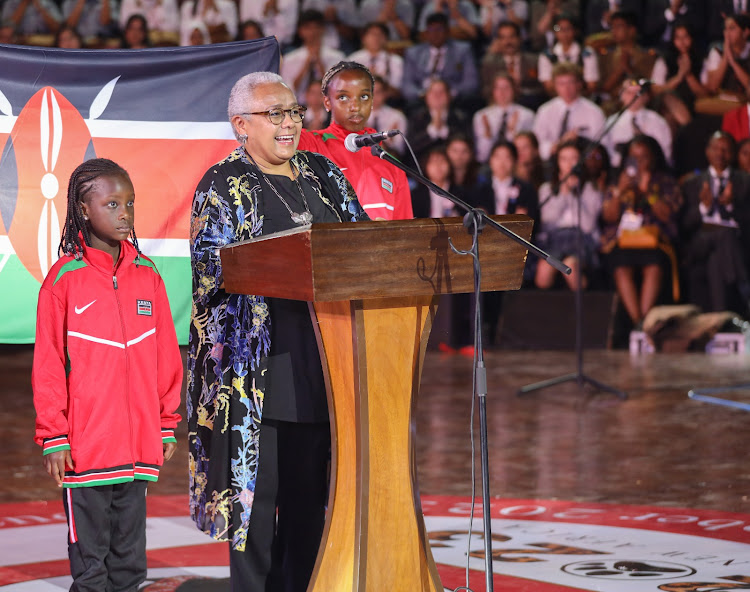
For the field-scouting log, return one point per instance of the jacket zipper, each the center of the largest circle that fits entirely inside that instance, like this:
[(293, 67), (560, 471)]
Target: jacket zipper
[(127, 368)]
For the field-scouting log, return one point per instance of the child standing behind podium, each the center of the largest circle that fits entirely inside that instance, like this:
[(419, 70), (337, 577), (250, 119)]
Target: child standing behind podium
[(107, 374)]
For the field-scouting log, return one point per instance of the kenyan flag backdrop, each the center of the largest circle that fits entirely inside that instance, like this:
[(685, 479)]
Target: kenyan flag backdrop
[(160, 113)]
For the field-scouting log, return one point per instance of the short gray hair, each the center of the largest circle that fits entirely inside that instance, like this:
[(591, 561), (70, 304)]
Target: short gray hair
[(243, 92)]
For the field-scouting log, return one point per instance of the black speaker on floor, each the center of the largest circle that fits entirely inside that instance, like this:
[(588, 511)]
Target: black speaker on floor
[(545, 319)]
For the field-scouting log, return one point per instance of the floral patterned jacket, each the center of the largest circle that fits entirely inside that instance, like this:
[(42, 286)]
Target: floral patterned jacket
[(230, 339)]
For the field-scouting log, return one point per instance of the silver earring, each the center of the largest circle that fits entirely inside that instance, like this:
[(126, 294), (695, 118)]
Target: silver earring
[(242, 139)]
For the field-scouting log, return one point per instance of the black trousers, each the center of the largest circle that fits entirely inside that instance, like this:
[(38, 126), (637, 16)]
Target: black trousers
[(107, 536), (288, 513)]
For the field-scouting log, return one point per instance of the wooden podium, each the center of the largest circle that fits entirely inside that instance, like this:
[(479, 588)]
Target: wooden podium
[(374, 288)]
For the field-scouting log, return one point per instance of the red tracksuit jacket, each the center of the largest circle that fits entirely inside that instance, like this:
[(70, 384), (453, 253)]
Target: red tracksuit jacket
[(107, 369), (382, 189)]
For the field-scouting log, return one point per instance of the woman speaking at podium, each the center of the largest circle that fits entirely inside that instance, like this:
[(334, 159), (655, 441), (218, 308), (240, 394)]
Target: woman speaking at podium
[(259, 435)]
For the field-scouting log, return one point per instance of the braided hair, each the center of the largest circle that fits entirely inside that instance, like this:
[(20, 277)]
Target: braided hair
[(340, 67), (81, 182)]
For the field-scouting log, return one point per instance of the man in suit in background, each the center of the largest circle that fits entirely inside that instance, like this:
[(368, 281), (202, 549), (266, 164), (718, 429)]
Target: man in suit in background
[(439, 57), (716, 231)]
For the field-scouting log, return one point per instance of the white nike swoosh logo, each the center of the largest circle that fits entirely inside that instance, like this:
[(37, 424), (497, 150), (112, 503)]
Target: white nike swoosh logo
[(83, 308)]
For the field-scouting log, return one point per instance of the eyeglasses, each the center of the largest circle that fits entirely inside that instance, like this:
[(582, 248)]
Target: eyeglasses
[(276, 116)]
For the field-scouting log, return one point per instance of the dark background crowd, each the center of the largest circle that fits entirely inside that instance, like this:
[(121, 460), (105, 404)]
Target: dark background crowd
[(506, 102)]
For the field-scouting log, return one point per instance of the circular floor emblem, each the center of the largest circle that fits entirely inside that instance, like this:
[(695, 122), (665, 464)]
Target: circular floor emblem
[(614, 569)]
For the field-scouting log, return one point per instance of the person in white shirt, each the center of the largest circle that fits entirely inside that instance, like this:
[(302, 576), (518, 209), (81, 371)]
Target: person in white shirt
[(276, 17), (377, 58), (220, 16), (634, 121), (310, 62), (567, 116), (559, 202), (162, 15), (568, 50), (503, 119)]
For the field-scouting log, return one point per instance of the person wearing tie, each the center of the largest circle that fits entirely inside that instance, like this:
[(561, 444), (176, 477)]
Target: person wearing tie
[(568, 115), (715, 226), (389, 66), (502, 119), (636, 120)]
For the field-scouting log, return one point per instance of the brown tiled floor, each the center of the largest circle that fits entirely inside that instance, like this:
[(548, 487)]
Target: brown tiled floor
[(658, 447)]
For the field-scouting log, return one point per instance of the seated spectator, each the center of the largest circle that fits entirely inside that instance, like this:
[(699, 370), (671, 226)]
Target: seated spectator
[(542, 16), (68, 37), (508, 195), (162, 16), (220, 16), (32, 17), (384, 117), (316, 116), (435, 119), (389, 66), (504, 56), (135, 34), (625, 59), (466, 176), (676, 78), (743, 155), (634, 121), (491, 14), (599, 14), (250, 30), (640, 215), (426, 203), (439, 56), (94, 19), (310, 62), (461, 15), (341, 22), (559, 204), (716, 232), (502, 119), (8, 33), (567, 50), (529, 166), (569, 115), (275, 17), (727, 67), (397, 15), (660, 17), (194, 32), (720, 10)]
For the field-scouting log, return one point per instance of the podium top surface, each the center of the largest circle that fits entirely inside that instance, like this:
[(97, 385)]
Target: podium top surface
[(377, 259)]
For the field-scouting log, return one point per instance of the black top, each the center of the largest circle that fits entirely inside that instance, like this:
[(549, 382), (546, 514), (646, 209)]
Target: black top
[(295, 387)]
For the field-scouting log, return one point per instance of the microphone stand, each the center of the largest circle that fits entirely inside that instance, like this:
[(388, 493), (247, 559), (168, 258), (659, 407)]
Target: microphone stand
[(579, 376), (475, 220)]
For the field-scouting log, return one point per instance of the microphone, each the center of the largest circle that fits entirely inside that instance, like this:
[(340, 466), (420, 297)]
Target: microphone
[(645, 84), (355, 142)]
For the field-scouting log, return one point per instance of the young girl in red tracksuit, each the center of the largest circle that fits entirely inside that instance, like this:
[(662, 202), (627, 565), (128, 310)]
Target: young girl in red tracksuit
[(382, 188), (106, 376)]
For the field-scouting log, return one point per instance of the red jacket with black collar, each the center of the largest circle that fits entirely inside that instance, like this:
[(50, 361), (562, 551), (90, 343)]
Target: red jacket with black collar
[(381, 188), (107, 369)]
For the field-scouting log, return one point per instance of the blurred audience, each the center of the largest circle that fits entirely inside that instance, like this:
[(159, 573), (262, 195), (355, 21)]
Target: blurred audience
[(567, 50), (375, 55), (32, 17), (436, 118), (68, 37), (275, 17), (219, 16), (529, 165), (162, 16), (397, 15), (135, 33)]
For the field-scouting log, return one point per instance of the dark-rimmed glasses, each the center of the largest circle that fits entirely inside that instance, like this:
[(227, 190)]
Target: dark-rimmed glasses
[(276, 116)]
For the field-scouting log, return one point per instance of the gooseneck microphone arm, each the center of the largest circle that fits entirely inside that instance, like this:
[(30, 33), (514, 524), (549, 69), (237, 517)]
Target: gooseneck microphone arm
[(556, 263)]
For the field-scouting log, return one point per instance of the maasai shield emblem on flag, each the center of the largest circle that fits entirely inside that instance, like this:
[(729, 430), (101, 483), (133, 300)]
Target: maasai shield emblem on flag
[(160, 113)]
